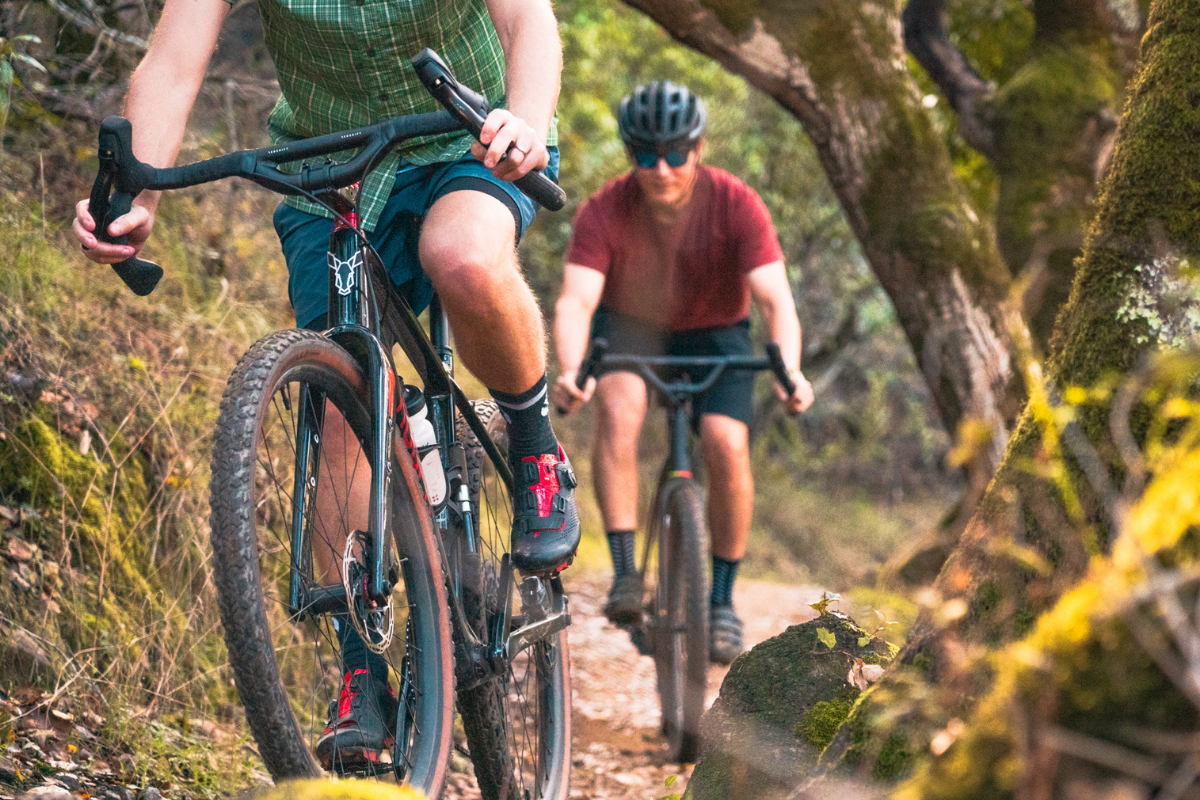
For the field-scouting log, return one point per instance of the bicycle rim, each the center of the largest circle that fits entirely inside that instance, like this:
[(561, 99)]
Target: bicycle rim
[(288, 666), (517, 724), (681, 618)]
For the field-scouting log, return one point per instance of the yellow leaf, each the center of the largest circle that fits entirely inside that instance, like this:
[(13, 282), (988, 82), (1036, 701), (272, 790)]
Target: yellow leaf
[(827, 638), (1075, 395), (822, 605)]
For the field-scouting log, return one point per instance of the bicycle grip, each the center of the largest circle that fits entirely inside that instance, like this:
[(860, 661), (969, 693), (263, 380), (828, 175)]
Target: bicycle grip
[(119, 167), (471, 109), (544, 191), (139, 275), (780, 369), (591, 362)]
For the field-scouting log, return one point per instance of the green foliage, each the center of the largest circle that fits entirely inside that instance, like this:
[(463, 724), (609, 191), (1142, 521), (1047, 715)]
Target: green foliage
[(8, 78), (822, 605), (106, 408)]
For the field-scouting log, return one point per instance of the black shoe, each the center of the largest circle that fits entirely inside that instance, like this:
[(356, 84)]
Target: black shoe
[(724, 635), (624, 606), (362, 724), (545, 531)]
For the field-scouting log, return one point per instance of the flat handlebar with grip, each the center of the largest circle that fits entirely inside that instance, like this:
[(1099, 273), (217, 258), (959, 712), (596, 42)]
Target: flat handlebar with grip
[(591, 362), (780, 369), (472, 109), (116, 151)]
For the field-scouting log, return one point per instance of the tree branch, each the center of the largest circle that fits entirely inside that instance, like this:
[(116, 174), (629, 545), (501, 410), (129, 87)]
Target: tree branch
[(96, 27), (927, 38)]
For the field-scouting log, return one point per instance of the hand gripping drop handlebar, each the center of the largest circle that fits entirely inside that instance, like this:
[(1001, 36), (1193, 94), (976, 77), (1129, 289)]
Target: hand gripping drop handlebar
[(122, 175)]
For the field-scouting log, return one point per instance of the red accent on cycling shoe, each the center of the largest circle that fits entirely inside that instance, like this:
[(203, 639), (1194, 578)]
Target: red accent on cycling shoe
[(547, 485), (347, 697)]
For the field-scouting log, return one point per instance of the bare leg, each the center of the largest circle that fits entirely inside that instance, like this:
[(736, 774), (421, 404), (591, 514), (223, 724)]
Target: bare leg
[(621, 409), (726, 445), (468, 250), (343, 495)]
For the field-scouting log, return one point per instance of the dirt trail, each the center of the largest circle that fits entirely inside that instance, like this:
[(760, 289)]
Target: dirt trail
[(617, 749), (617, 752)]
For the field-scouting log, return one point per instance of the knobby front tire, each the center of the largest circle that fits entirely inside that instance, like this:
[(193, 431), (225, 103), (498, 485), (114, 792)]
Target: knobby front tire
[(288, 670), (680, 621), (518, 725)]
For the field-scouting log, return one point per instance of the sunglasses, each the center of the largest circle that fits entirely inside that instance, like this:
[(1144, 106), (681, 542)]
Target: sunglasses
[(648, 159)]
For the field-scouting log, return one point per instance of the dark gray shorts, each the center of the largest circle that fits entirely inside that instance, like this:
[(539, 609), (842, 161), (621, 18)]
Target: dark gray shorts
[(733, 393)]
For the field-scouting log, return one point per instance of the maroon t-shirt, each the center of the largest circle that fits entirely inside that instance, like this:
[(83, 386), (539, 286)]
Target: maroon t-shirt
[(684, 275)]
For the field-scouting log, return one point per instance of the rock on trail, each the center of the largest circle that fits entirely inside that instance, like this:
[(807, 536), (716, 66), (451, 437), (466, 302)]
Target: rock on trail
[(617, 752)]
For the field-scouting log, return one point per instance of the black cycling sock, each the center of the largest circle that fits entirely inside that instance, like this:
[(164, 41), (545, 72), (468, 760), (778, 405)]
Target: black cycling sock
[(355, 654), (724, 574), (621, 545), (528, 418)]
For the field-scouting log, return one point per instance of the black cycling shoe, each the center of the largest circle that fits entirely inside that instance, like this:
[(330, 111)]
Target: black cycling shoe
[(724, 635), (362, 724), (624, 606), (545, 531)]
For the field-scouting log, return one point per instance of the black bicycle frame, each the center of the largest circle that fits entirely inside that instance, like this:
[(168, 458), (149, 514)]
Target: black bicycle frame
[(678, 392), (366, 317)]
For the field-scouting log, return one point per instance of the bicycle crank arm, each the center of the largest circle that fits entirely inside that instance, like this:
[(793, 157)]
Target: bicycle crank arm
[(531, 634)]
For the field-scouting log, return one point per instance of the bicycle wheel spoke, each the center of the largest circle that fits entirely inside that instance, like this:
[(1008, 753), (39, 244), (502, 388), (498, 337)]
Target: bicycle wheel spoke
[(259, 473), (514, 735)]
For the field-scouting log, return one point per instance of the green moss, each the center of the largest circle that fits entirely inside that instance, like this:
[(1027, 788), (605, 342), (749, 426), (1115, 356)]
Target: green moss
[(788, 696), (822, 721), (104, 501), (1042, 114), (988, 597), (894, 758)]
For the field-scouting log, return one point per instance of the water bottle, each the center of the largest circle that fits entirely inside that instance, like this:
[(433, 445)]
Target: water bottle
[(426, 442)]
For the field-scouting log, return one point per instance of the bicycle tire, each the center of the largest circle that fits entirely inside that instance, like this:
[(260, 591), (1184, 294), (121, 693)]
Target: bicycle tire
[(681, 617), (286, 696), (519, 749)]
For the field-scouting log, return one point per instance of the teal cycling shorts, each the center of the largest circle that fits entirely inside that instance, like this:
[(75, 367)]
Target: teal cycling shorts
[(305, 237)]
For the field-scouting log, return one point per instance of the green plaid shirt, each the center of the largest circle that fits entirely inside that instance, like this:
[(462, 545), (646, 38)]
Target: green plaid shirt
[(345, 63)]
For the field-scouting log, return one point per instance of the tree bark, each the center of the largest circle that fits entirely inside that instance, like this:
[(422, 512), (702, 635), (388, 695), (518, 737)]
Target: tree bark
[(840, 69), (1047, 130), (1131, 298)]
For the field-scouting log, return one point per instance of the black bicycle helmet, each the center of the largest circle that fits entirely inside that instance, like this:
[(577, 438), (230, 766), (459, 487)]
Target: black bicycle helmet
[(661, 114)]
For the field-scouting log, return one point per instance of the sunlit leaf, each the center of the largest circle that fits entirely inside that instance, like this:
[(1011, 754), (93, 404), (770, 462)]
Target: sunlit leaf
[(822, 605), (827, 638), (30, 60), (670, 780)]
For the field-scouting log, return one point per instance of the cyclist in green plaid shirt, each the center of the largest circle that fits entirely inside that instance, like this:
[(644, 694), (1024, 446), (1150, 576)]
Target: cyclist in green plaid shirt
[(441, 211)]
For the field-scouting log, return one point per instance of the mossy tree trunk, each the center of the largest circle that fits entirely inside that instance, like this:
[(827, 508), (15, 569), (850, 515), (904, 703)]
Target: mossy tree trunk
[(841, 70), (1047, 130), (1133, 295)]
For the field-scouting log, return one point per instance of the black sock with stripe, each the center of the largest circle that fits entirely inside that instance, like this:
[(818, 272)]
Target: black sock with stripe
[(528, 418)]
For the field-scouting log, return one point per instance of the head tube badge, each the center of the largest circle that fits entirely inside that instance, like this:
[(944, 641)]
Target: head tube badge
[(345, 272)]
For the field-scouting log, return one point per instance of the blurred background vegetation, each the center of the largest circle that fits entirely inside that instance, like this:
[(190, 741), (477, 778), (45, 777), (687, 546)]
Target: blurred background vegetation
[(106, 400)]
